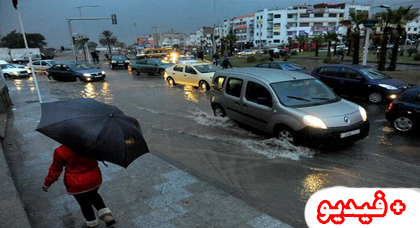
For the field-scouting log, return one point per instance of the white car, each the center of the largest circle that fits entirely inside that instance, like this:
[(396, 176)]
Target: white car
[(187, 59), (247, 52), (42, 65), (9, 71), (193, 74)]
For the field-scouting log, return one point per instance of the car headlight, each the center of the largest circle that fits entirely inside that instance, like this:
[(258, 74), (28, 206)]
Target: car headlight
[(86, 75), (15, 72), (113, 61), (314, 122), (388, 87), (103, 72), (363, 113)]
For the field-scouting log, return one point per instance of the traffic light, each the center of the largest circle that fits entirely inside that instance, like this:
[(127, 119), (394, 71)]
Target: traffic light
[(114, 19)]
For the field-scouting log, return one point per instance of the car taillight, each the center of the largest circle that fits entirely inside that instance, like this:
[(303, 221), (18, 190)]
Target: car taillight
[(310, 73), (391, 105)]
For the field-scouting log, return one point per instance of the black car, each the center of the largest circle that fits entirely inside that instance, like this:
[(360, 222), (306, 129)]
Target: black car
[(284, 66), (119, 61), (404, 112), (360, 81), (150, 66), (75, 72)]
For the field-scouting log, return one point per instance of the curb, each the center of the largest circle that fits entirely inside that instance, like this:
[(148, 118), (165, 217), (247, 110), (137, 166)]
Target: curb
[(12, 211)]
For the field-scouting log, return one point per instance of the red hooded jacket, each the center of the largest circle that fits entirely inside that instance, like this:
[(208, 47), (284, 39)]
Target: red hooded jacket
[(82, 174)]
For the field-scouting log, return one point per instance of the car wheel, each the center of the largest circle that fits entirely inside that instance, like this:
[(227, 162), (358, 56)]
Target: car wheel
[(285, 133), (403, 124), (204, 86), (135, 71), (77, 79), (6, 75), (375, 97), (171, 81), (218, 111)]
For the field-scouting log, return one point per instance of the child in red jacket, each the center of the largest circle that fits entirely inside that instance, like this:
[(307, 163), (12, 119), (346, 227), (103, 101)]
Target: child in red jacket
[(82, 179)]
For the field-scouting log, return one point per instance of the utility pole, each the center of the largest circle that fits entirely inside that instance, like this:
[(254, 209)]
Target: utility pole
[(214, 28), (367, 37), (137, 34)]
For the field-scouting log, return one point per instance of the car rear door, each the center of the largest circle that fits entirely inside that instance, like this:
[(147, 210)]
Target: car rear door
[(55, 72), (330, 76), (416, 108), (151, 66), (66, 73), (44, 65), (257, 105), (36, 65), (178, 73), (191, 76), (232, 98), (352, 83)]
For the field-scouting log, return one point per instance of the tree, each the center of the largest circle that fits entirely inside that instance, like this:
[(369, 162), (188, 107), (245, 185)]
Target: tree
[(386, 20), (120, 45), (317, 40), (302, 40), (223, 42), (290, 41), (401, 16), (80, 43), (15, 40), (92, 45), (231, 38), (106, 38), (356, 20)]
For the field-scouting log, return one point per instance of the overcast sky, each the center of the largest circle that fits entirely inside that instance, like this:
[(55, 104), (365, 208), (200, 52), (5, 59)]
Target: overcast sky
[(48, 17)]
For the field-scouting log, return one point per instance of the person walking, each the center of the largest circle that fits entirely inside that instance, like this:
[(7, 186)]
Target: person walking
[(226, 63), (93, 57), (82, 179), (216, 58)]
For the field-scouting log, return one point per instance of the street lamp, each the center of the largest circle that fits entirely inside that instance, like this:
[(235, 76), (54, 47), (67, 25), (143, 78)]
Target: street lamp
[(80, 14), (369, 31)]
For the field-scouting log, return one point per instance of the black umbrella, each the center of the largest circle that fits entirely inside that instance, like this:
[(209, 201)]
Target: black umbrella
[(92, 128)]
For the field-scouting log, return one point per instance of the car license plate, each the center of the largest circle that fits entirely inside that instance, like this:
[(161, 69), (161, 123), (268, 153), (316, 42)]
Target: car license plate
[(350, 133), (98, 76), (120, 64)]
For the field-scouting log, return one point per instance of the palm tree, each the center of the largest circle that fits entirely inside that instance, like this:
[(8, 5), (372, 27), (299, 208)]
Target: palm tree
[(330, 37), (106, 38), (231, 38), (302, 40), (402, 15), (356, 19), (223, 42), (80, 43), (317, 40), (290, 41), (386, 20)]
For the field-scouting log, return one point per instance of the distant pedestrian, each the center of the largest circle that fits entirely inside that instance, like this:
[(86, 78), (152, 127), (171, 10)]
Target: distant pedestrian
[(226, 63), (93, 53), (96, 56), (341, 54), (106, 56), (200, 55), (215, 58), (82, 179)]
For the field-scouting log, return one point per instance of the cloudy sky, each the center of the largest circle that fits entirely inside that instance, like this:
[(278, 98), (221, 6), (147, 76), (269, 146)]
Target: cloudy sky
[(48, 17)]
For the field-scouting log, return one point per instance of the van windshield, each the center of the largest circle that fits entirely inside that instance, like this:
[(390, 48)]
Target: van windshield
[(304, 93)]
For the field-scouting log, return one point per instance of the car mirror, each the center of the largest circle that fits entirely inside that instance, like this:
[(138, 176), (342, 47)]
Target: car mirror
[(263, 101)]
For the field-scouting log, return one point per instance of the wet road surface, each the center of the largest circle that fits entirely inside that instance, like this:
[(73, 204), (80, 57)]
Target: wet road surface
[(179, 125)]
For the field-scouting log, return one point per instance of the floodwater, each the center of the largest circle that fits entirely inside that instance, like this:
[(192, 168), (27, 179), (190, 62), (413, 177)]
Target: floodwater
[(276, 177)]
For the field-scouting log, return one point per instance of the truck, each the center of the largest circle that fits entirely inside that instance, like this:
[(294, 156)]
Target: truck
[(35, 56)]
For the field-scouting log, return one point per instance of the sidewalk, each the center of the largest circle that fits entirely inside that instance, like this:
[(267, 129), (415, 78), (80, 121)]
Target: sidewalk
[(151, 193)]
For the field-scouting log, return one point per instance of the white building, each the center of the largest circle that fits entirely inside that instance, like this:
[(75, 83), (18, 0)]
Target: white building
[(413, 28), (274, 26), (243, 28)]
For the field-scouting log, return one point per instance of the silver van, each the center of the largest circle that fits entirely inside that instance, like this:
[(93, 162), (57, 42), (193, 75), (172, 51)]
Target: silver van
[(292, 106)]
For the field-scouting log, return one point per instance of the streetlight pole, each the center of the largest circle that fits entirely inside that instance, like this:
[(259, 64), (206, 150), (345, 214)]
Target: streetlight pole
[(80, 14), (137, 34), (214, 28), (367, 37)]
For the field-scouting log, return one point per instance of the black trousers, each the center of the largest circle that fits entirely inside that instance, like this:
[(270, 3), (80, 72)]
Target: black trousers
[(86, 200)]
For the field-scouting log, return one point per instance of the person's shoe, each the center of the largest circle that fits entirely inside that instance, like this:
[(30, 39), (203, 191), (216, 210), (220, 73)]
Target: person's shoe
[(91, 224), (106, 216)]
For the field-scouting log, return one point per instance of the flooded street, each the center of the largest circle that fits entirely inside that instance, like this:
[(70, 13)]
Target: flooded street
[(278, 178)]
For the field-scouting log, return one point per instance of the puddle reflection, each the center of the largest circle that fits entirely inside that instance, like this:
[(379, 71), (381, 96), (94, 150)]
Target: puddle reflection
[(312, 183)]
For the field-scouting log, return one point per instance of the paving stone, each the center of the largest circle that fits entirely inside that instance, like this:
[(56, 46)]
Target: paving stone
[(265, 221), (168, 198), (160, 216)]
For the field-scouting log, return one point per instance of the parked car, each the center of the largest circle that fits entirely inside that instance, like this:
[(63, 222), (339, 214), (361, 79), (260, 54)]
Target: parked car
[(42, 65), (2, 62), (35, 56), (187, 59), (247, 52), (292, 106), (284, 66), (360, 81), (150, 66), (75, 72), (404, 112), (119, 61), (193, 74), (11, 71)]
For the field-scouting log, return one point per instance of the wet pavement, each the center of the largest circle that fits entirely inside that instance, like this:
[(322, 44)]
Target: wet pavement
[(277, 178)]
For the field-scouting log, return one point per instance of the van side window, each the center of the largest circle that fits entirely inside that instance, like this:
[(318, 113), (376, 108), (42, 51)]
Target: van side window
[(218, 83), (234, 87), (258, 94), (179, 68)]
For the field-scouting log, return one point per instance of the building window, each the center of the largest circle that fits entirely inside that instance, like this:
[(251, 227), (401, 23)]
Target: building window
[(341, 14), (304, 24), (415, 29), (277, 15), (289, 15), (276, 24), (261, 17), (317, 23), (258, 17), (276, 41), (333, 15), (319, 15), (277, 33), (258, 34), (409, 29), (304, 15)]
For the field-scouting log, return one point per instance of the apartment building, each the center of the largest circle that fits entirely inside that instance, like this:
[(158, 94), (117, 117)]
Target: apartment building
[(413, 29), (274, 26)]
